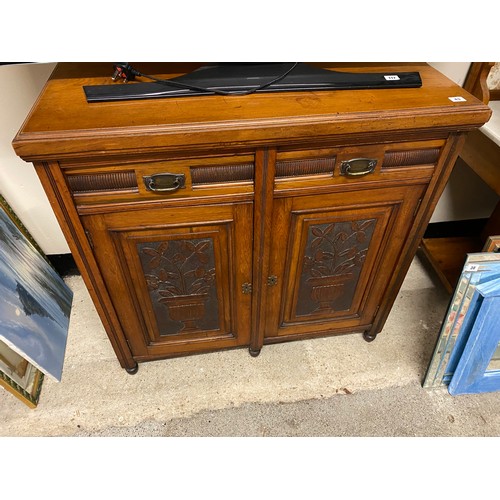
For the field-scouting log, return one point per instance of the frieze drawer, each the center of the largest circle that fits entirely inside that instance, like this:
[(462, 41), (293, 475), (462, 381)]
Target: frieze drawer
[(160, 180)]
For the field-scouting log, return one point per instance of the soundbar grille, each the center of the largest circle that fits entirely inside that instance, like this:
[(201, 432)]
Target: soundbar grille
[(219, 174), (113, 181), (394, 159), (294, 168)]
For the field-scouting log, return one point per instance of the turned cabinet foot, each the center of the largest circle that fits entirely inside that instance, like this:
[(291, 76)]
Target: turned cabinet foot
[(133, 370), (368, 336), (254, 352)]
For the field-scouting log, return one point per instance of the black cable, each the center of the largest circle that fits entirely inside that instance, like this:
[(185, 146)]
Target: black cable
[(130, 70)]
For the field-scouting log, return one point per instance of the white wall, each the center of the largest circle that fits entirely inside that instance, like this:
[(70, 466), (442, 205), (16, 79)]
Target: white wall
[(20, 85), (465, 196), (456, 71)]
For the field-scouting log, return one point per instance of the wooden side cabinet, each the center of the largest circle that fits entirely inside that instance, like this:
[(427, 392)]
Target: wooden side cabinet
[(213, 222)]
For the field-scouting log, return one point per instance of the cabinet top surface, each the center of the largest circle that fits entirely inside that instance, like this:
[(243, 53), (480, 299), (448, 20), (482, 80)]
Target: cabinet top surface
[(62, 123)]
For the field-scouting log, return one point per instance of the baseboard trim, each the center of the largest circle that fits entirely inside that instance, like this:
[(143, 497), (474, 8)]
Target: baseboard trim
[(64, 264)]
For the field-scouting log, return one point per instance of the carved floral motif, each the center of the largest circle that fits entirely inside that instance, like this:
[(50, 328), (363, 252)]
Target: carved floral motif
[(333, 259), (180, 274)]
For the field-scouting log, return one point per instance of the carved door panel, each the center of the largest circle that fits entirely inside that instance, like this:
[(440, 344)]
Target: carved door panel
[(176, 276), (334, 263)]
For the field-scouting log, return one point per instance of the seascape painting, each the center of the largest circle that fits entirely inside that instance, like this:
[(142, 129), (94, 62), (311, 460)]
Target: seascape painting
[(35, 304)]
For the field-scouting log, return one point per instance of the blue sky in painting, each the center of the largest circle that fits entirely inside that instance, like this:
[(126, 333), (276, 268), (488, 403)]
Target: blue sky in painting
[(35, 303)]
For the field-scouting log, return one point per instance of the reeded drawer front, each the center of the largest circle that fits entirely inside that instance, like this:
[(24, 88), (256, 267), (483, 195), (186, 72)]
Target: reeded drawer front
[(171, 179), (297, 169), (219, 176)]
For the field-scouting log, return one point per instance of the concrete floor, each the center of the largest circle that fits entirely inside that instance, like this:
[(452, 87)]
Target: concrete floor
[(337, 386)]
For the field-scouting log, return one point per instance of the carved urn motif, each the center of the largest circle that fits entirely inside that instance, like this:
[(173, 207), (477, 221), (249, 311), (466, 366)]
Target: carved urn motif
[(186, 308), (327, 289)]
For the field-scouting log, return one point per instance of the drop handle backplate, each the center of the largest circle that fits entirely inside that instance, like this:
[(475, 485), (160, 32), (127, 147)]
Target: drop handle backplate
[(357, 167), (164, 182)]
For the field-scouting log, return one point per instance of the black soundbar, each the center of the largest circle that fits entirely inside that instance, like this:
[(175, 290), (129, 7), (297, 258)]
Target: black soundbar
[(238, 78)]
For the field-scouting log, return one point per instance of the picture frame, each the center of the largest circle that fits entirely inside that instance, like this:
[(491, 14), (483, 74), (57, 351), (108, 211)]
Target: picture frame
[(479, 268), (492, 244), (35, 306), (475, 373), (17, 375)]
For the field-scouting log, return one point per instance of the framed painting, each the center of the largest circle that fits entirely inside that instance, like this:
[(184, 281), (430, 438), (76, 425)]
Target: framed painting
[(20, 377), (492, 244), (479, 268), (478, 369), (35, 306)]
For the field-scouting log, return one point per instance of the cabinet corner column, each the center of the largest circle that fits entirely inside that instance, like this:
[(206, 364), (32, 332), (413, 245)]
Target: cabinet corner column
[(265, 161)]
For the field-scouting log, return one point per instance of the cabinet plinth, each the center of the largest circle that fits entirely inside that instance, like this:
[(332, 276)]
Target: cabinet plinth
[(215, 222)]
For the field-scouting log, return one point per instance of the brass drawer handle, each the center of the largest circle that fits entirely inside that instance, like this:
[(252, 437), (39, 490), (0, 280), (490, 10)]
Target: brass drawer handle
[(164, 183), (357, 167)]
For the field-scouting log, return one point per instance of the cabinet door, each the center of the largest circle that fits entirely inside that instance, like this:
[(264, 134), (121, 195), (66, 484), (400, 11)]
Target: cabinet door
[(176, 276), (332, 258)]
